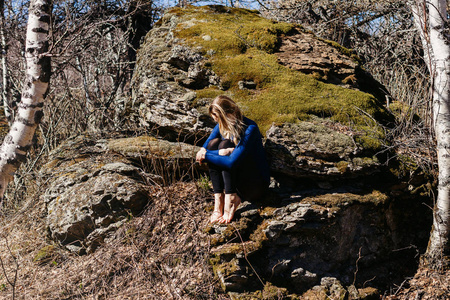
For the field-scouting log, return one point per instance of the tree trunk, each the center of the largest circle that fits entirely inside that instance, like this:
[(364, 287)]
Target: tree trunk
[(19, 139), (4, 54), (438, 51)]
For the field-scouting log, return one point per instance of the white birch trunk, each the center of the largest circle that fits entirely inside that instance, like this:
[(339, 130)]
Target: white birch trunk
[(438, 46), (6, 105), (439, 239), (421, 23), (19, 139)]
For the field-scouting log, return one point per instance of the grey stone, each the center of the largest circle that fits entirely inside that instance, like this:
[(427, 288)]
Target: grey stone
[(121, 168), (312, 150), (92, 189), (301, 276), (83, 210), (274, 229), (164, 84)]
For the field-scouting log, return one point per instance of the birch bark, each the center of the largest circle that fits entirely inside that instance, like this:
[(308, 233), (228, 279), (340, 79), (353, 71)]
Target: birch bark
[(437, 48), (19, 139), (4, 54)]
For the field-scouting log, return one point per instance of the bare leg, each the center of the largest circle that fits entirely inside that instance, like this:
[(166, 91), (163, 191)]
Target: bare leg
[(218, 207), (232, 202)]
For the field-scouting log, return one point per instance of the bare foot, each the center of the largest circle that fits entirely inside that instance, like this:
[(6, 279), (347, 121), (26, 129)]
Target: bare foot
[(218, 208), (232, 202), (216, 215)]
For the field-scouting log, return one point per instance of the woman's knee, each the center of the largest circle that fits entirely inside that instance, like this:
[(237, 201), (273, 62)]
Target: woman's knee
[(214, 144), (224, 144)]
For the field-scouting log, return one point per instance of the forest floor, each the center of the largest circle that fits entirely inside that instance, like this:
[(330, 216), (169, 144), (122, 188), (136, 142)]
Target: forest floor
[(161, 254), (145, 259), (427, 284)]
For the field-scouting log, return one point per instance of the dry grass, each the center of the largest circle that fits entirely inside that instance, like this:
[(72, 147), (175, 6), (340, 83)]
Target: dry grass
[(427, 284), (159, 255)]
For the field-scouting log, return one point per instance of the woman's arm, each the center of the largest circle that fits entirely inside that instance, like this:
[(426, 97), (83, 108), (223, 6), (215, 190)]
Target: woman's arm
[(215, 133), (200, 156), (246, 145), (226, 151)]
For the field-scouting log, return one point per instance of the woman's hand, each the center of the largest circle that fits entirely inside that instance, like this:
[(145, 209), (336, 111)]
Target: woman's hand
[(200, 155), (225, 152)]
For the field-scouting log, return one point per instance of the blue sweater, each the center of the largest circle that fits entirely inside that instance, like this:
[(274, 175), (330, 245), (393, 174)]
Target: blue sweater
[(249, 147)]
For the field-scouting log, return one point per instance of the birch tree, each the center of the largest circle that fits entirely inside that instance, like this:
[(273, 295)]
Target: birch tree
[(3, 45), (19, 139), (431, 19)]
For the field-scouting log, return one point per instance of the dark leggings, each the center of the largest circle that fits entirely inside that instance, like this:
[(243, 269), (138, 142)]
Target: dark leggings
[(245, 180)]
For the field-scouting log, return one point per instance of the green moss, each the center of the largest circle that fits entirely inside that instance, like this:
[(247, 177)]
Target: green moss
[(406, 166), (134, 144), (227, 268), (272, 292), (268, 211), (338, 199), (241, 225), (227, 251), (364, 161), (402, 111), (240, 46), (319, 293), (269, 292), (208, 93), (231, 31), (45, 254), (258, 236), (342, 166)]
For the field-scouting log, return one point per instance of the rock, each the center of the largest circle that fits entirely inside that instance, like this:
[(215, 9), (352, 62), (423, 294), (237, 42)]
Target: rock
[(321, 139), (315, 151), (247, 85), (329, 288), (96, 185), (319, 238), (281, 267), (303, 277), (353, 293), (274, 229), (173, 160), (189, 53), (231, 276), (81, 213), (303, 52), (369, 293), (164, 83), (121, 168)]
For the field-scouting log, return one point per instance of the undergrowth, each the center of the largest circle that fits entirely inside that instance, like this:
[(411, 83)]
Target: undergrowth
[(161, 254)]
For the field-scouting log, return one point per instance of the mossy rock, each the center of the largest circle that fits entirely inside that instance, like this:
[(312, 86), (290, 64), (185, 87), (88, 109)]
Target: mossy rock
[(227, 251), (343, 199), (152, 147), (268, 292), (240, 227), (240, 45), (45, 254), (369, 293)]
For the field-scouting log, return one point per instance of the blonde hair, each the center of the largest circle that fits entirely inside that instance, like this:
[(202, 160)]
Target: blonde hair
[(229, 117)]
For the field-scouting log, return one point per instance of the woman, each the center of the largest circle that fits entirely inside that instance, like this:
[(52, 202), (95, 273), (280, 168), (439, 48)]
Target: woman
[(235, 155)]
